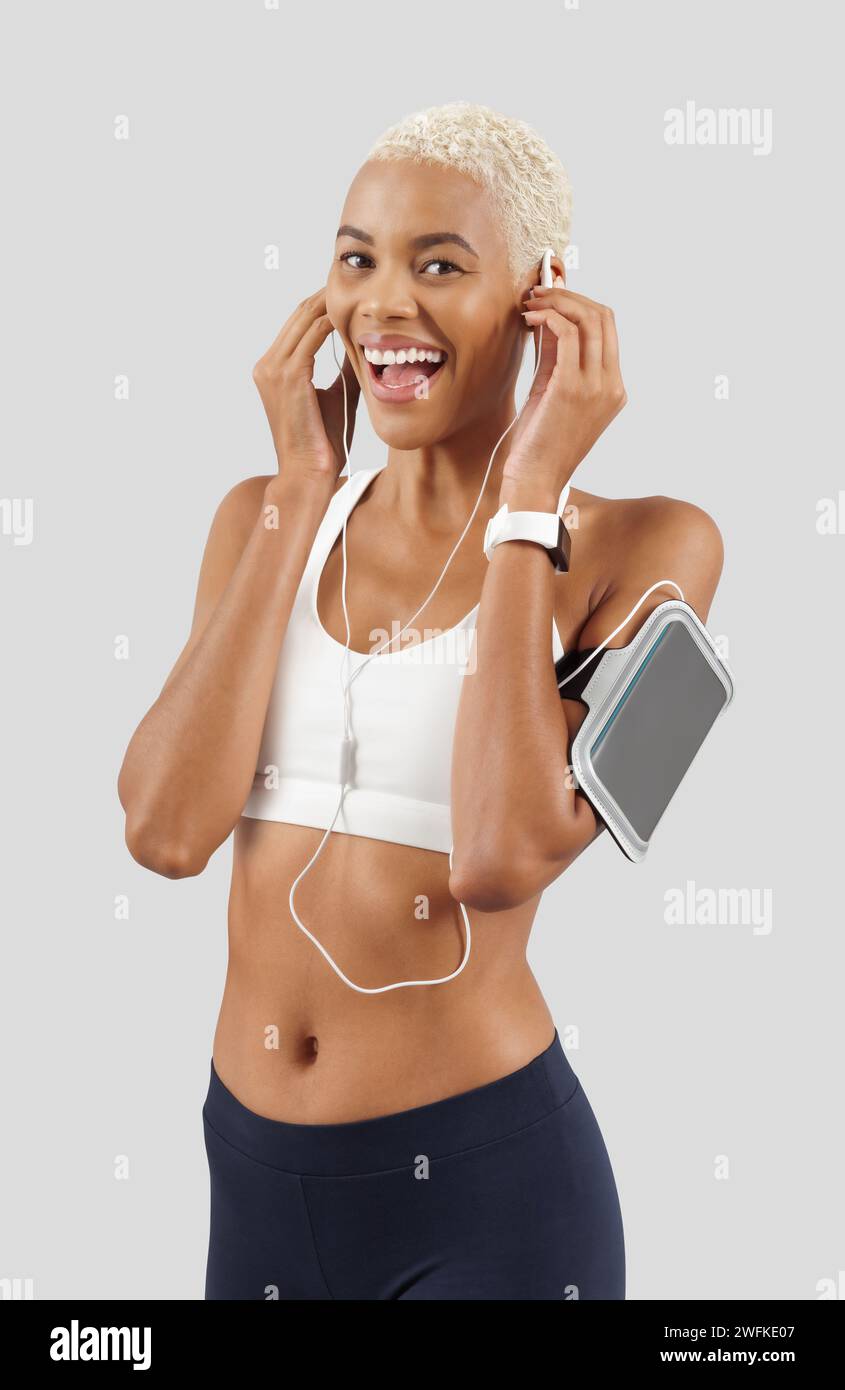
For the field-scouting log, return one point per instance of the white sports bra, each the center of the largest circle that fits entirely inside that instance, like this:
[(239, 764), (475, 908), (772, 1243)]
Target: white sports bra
[(403, 710)]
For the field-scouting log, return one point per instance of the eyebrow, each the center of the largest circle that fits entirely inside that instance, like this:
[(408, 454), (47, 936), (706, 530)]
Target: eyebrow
[(418, 242)]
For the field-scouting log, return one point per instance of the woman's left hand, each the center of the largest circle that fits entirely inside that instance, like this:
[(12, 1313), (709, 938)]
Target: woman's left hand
[(578, 390)]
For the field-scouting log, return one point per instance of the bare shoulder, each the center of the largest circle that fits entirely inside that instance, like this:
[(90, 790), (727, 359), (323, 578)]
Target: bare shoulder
[(236, 513), (639, 518), (667, 527), (681, 536), (233, 523), (636, 542)]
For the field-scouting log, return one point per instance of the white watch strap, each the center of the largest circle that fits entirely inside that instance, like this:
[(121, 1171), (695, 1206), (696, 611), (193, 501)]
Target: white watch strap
[(524, 526)]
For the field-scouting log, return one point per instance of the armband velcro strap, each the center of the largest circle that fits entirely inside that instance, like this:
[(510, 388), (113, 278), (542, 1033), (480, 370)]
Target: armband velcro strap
[(574, 687)]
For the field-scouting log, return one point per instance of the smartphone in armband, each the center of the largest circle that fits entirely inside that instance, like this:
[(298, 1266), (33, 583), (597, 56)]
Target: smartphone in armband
[(650, 706)]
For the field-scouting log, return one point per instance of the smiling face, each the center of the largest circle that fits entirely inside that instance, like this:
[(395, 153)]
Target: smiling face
[(421, 293)]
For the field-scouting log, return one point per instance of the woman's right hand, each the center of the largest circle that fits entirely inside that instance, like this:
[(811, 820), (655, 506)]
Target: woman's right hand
[(306, 422)]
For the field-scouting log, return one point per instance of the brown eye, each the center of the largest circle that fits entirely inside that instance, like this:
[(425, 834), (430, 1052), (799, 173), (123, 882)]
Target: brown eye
[(450, 266)]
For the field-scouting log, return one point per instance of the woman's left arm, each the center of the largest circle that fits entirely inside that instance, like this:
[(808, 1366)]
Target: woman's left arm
[(517, 822)]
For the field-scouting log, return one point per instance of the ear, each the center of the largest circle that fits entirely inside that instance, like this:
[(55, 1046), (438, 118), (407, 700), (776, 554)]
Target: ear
[(558, 271), (532, 278), (528, 282)]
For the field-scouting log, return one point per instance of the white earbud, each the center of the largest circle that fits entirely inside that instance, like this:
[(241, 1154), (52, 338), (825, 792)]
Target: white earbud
[(546, 275)]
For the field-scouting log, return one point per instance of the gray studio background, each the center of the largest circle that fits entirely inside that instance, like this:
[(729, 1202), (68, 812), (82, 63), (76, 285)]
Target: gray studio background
[(712, 1054)]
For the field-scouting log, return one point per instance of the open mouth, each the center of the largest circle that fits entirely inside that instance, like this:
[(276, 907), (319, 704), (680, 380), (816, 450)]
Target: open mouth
[(402, 374)]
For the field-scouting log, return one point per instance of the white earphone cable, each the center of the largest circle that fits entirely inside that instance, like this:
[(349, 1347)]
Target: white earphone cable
[(619, 627), (346, 746)]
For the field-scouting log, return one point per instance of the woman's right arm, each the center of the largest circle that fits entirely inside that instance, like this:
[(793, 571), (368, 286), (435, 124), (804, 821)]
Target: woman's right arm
[(190, 764)]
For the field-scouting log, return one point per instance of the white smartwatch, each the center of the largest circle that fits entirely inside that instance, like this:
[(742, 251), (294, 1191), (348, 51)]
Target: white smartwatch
[(546, 528)]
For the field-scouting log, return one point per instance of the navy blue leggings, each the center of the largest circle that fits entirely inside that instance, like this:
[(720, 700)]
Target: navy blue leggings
[(502, 1192)]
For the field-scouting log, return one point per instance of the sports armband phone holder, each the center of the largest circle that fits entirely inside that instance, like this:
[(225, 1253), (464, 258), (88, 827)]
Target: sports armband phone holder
[(650, 706)]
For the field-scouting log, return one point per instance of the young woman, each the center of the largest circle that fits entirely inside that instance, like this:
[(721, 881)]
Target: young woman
[(426, 1141)]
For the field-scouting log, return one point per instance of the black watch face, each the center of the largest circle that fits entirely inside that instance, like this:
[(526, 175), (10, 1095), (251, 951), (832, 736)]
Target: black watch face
[(563, 549)]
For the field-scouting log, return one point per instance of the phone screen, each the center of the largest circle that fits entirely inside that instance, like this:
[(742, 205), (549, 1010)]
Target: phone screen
[(643, 751)]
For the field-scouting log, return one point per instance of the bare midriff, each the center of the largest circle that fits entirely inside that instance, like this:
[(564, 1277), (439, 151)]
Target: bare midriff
[(294, 1043)]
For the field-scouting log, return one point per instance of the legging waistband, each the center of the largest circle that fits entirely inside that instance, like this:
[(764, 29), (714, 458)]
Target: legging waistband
[(444, 1127)]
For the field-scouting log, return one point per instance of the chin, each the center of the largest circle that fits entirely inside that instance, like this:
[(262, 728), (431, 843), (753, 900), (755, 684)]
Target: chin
[(406, 435)]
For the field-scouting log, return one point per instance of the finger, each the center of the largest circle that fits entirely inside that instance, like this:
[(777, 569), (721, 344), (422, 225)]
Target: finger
[(291, 332), (543, 290), (561, 346), (585, 316), (545, 357), (303, 354), (610, 341)]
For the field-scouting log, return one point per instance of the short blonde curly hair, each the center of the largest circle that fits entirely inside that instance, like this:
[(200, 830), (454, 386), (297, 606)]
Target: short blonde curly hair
[(528, 184)]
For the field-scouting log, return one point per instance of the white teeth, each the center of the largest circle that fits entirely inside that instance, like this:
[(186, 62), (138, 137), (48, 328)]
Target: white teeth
[(412, 354)]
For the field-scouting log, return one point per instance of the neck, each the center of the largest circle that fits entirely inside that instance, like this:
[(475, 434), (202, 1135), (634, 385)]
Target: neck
[(431, 487)]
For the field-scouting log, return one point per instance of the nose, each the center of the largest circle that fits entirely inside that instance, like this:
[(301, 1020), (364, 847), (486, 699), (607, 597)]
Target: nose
[(388, 295)]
